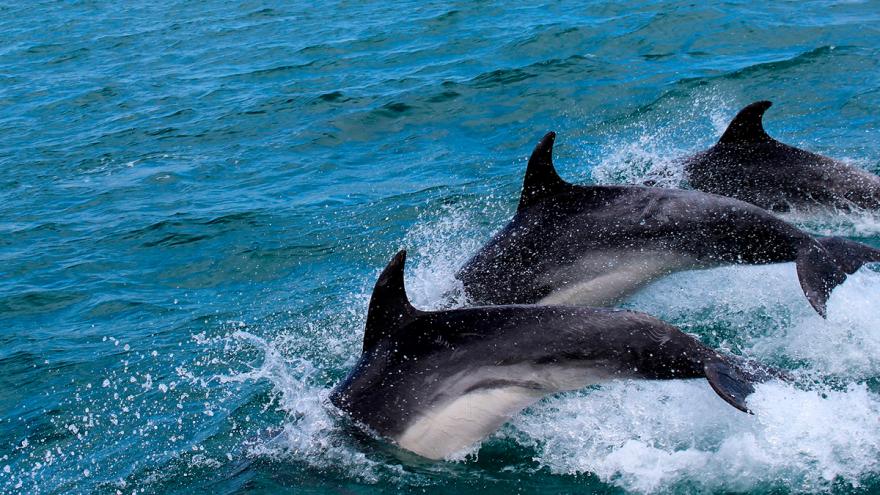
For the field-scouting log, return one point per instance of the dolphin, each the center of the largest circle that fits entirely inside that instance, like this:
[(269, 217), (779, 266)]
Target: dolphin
[(594, 245), (437, 382), (748, 164)]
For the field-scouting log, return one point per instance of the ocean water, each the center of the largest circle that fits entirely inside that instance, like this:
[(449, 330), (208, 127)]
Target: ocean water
[(196, 198)]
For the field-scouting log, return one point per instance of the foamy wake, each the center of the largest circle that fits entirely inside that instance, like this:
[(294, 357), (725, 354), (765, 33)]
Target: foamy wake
[(766, 308), (655, 436)]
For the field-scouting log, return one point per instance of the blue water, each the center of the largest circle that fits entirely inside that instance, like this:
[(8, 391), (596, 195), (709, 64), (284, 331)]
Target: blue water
[(196, 198)]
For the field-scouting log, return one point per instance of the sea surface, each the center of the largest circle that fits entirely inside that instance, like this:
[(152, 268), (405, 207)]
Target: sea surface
[(196, 199)]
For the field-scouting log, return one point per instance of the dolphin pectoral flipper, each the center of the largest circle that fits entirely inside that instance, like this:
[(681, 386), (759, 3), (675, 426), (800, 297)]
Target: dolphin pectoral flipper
[(818, 274), (730, 383)]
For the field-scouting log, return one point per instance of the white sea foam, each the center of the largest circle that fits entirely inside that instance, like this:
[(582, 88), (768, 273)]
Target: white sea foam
[(655, 436), (767, 304), (736, 295), (847, 344)]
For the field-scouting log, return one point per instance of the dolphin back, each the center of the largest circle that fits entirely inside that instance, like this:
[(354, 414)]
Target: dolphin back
[(748, 164)]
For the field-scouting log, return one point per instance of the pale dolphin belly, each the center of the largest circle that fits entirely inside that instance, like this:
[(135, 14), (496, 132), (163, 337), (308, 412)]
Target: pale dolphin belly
[(491, 397), (455, 426), (603, 278)]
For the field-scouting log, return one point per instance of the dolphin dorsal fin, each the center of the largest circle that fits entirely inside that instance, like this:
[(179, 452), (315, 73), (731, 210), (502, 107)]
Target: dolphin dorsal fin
[(541, 179), (389, 306), (747, 127)]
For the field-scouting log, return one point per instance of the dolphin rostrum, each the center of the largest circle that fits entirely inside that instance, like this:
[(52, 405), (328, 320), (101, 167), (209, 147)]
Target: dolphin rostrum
[(748, 164), (437, 382), (594, 245)]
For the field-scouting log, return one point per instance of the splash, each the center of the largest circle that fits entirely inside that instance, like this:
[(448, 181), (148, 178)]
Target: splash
[(648, 160), (855, 222), (442, 246), (312, 434), (656, 436), (762, 310), (651, 151)]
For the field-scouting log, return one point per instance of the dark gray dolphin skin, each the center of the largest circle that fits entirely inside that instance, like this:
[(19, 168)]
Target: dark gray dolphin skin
[(593, 245), (748, 164), (436, 382)]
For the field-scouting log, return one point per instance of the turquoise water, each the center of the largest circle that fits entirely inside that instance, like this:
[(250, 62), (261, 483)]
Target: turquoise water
[(197, 197)]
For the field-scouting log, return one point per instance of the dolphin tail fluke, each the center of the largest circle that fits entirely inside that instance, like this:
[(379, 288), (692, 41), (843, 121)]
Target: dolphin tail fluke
[(849, 255), (819, 274)]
